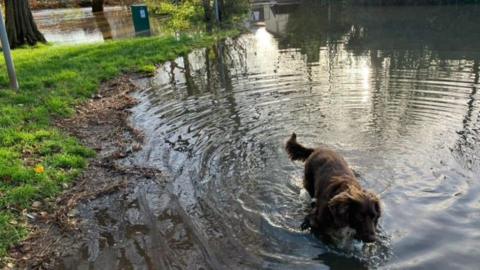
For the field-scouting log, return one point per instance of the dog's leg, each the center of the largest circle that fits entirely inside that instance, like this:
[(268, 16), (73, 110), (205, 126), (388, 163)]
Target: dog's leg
[(311, 220)]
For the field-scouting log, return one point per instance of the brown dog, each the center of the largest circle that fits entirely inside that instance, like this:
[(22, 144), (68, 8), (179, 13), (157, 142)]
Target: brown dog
[(340, 201)]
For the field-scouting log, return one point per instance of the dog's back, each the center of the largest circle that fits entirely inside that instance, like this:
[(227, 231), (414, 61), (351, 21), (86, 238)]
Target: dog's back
[(321, 165)]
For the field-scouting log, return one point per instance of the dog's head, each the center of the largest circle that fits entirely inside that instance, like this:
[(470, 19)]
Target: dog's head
[(357, 209)]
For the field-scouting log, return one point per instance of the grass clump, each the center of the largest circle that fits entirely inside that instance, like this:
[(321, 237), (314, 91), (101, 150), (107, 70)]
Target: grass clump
[(35, 157), (148, 70)]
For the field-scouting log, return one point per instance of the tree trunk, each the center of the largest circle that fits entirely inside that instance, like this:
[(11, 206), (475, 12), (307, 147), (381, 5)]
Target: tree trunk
[(97, 5), (21, 27), (207, 10), (221, 10)]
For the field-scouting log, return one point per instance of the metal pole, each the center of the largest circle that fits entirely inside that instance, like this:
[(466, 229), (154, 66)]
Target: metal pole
[(7, 54)]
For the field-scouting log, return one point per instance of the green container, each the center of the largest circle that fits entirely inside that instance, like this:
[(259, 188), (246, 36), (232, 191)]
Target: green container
[(140, 19)]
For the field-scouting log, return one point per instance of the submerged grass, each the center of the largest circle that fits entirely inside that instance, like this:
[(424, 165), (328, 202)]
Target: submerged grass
[(36, 159)]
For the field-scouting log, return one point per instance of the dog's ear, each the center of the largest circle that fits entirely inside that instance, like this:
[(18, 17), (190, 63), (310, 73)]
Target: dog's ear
[(376, 205), (378, 208), (375, 201), (339, 207)]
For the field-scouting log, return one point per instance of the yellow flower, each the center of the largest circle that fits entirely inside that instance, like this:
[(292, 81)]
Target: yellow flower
[(39, 169)]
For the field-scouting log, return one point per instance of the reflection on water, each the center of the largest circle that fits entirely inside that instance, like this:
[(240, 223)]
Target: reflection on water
[(80, 25), (393, 89)]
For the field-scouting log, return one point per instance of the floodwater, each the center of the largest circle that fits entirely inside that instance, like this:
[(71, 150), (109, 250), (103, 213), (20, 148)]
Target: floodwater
[(81, 25), (393, 89)]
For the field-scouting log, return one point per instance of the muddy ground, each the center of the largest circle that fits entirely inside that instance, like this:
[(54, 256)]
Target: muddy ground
[(101, 124)]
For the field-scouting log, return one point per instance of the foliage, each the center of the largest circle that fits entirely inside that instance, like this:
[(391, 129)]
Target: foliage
[(182, 15), (188, 13), (36, 159), (235, 10)]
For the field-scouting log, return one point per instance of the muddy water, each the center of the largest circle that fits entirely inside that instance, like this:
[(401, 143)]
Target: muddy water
[(392, 89)]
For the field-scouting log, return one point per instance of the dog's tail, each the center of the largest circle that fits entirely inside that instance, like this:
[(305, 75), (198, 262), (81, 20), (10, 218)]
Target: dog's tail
[(297, 151)]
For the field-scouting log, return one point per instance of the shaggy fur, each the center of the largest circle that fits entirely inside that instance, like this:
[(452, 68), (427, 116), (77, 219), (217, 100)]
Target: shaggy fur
[(340, 200)]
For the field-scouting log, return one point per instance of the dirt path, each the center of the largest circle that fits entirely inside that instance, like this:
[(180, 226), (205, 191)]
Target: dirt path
[(102, 124)]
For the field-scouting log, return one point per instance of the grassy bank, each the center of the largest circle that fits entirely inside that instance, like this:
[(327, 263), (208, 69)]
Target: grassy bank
[(37, 160)]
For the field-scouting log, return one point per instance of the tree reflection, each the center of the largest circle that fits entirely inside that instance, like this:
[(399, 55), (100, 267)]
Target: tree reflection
[(103, 25), (466, 146), (411, 36), (311, 26)]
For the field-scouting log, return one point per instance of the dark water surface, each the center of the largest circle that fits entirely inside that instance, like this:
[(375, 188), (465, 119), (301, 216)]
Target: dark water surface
[(394, 89)]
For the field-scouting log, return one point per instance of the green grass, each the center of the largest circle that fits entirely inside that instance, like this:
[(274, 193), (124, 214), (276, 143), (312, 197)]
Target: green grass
[(53, 79)]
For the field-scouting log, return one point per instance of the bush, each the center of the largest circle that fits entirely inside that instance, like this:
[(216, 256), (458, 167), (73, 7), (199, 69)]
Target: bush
[(182, 16), (189, 13)]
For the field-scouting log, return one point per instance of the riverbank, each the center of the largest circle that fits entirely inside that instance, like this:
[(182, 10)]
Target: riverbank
[(39, 153), (100, 124)]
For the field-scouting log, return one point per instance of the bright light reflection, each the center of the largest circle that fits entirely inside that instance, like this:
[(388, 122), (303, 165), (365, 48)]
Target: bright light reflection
[(265, 41), (365, 73)]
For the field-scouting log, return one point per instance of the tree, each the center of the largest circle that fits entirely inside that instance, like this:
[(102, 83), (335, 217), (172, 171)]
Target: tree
[(21, 27), (97, 5), (207, 10), (207, 13)]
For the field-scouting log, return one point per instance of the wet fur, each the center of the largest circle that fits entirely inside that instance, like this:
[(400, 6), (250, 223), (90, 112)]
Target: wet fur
[(340, 200)]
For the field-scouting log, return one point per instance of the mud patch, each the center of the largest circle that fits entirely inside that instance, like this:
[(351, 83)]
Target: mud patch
[(65, 226)]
